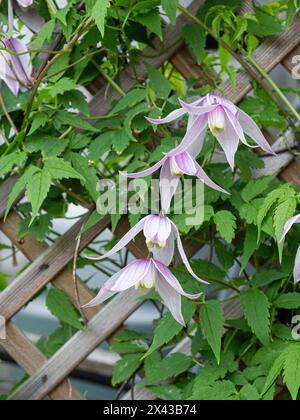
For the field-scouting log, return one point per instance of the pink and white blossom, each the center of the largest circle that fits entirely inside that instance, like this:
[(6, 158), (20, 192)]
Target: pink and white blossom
[(288, 226), (25, 3), (173, 166), (148, 274), (15, 70), (228, 124), (160, 233)]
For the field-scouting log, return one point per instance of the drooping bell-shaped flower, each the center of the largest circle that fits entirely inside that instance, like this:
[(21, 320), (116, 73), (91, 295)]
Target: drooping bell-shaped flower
[(288, 226), (15, 64), (160, 233), (173, 166), (147, 274), (25, 3), (228, 124)]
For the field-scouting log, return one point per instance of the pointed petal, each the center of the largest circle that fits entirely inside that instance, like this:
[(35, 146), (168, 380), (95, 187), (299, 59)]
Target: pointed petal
[(134, 272), (186, 163), (7, 76), (147, 172), (105, 292), (171, 299), (171, 117), (172, 280), (238, 128), (157, 229), (197, 110), (229, 141), (21, 65), (25, 3), (253, 131), (197, 145), (207, 181), (297, 267), (166, 254), (183, 255), (168, 185), (289, 224), (192, 135), (213, 99), (123, 242)]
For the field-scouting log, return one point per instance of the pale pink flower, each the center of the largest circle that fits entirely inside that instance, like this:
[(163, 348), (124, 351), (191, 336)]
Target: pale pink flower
[(228, 124), (160, 233), (147, 274), (289, 224)]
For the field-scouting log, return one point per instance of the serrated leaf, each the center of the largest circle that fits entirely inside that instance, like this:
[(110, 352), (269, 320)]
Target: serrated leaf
[(37, 190), (217, 391), (256, 309), (226, 225), (256, 187), (131, 99), (170, 7), (90, 181), (59, 169), (152, 21), (288, 301), (250, 246), (125, 368), (160, 84), (99, 13), (291, 370), (76, 121), (212, 324), (283, 212), (195, 38), (61, 307), (9, 161)]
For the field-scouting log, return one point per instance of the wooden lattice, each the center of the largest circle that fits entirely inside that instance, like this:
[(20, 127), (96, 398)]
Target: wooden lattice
[(49, 378)]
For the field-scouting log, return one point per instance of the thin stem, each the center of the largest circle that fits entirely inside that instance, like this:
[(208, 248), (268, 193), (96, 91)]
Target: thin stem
[(109, 79), (6, 113), (75, 280)]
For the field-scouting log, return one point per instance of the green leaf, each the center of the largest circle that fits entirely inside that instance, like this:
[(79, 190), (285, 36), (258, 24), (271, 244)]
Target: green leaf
[(291, 370), (99, 14), (250, 246), (256, 309), (226, 225), (9, 161), (61, 307), (170, 7), (167, 328), (212, 323), (125, 368), (131, 99), (90, 181), (271, 198), (195, 38), (283, 212), (59, 169), (160, 84), (61, 86), (217, 391), (266, 277), (166, 392), (19, 187), (266, 25), (44, 35), (37, 190), (249, 393), (74, 120), (288, 301), (40, 228), (256, 187), (101, 145), (152, 21)]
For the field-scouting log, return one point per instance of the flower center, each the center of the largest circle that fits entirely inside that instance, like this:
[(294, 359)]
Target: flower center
[(159, 245), (216, 121), (175, 170)]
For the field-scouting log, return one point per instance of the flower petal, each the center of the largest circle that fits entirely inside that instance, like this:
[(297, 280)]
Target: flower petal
[(168, 185), (253, 131), (207, 181), (172, 280), (157, 229), (123, 242), (289, 224), (192, 135), (229, 141), (297, 267), (197, 110), (134, 272), (186, 163), (25, 3), (171, 299), (183, 255), (147, 172), (171, 117), (166, 254), (7, 75), (216, 99), (238, 128)]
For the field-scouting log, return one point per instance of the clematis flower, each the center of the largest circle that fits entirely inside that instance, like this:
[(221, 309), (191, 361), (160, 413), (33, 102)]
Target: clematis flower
[(147, 274), (289, 224), (228, 124), (25, 3), (15, 70), (173, 166), (160, 233)]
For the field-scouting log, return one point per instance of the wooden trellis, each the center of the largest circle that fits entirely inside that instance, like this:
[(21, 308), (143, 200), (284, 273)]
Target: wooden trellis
[(49, 377)]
